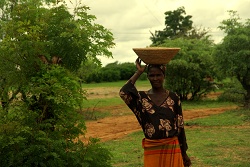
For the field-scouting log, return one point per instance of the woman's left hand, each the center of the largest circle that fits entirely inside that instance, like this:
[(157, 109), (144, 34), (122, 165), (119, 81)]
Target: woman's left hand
[(186, 160)]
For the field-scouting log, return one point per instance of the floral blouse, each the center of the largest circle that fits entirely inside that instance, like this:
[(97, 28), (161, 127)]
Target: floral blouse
[(157, 122)]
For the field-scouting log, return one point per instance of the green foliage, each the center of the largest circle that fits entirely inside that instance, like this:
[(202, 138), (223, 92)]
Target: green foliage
[(32, 30), (110, 73), (232, 91), (115, 71), (43, 129), (186, 73), (177, 25), (31, 35), (89, 71), (232, 55), (126, 70), (40, 125)]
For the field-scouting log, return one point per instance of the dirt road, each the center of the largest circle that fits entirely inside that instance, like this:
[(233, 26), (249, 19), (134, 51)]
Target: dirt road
[(115, 127)]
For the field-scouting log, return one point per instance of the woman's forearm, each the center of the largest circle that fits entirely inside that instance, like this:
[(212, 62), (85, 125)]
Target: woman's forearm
[(134, 78)]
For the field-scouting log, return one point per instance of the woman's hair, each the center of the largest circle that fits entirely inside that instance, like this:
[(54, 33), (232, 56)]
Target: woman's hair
[(162, 67)]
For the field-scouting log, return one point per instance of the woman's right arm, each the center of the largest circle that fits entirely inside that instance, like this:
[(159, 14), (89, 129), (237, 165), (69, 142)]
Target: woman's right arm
[(129, 93)]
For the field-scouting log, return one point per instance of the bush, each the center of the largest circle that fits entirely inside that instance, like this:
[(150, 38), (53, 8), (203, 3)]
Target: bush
[(43, 128), (110, 75), (233, 91), (231, 96), (188, 71), (143, 77)]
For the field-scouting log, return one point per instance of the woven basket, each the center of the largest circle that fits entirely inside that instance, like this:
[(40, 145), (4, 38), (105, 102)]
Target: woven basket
[(156, 55)]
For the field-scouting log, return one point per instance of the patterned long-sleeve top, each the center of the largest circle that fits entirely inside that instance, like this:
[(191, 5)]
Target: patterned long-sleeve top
[(157, 122)]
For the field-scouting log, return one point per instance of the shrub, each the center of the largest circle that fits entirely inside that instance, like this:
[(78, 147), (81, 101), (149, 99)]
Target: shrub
[(43, 128), (233, 91)]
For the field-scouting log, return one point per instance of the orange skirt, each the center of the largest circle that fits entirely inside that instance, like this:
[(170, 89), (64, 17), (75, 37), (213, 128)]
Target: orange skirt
[(162, 153)]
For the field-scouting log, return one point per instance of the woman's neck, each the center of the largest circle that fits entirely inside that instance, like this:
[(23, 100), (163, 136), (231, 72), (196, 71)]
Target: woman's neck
[(157, 90)]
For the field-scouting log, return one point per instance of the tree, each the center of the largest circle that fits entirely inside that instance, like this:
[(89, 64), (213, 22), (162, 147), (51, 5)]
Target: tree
[(41, 44), (111, 72), (44, 130), (177, 25), (126, 70), (33, 32), (186, 74), (88, 71), (233, 54)]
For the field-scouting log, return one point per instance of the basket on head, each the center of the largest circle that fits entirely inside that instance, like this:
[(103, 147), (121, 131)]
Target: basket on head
[(156, 55)]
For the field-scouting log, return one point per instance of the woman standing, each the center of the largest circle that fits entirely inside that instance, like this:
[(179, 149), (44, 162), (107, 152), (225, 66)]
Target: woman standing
[(159, 113)]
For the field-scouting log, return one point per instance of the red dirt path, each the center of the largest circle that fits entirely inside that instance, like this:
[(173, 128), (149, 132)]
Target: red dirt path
[(124, 122)]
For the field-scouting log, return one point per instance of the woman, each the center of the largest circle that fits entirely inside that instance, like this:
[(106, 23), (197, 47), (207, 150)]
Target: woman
[(159, 113)]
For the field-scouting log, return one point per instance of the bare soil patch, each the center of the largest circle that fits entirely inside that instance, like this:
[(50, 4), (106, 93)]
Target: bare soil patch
[(124, 122), (115, 127)]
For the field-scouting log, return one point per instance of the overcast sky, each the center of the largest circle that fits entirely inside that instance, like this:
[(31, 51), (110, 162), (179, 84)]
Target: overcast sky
[(131, 21)]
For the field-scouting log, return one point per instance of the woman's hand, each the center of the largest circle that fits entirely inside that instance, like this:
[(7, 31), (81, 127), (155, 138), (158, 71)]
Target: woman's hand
[(140, 70), (186, 160), (139, 67)]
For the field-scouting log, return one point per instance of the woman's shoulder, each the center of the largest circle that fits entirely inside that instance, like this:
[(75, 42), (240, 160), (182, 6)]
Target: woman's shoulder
[(173, 95)]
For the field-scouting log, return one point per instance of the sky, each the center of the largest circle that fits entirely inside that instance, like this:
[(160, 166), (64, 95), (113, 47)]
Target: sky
[(131, 21)]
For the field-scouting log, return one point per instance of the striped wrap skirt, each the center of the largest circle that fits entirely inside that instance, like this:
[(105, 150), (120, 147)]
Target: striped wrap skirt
[(162, 153)]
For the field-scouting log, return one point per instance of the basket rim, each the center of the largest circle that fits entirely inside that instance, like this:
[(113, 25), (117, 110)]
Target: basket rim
[(156, 55)]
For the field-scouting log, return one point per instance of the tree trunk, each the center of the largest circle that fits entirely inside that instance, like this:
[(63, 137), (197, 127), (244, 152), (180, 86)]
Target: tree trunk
[(247, 99)]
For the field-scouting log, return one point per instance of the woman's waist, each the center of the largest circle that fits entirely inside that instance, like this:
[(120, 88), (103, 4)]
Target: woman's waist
[(147, 143)]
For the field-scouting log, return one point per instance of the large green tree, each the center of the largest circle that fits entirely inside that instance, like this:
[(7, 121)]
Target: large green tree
[(186, 74), (35, 32), (41, 43), (233, 53), (177, 25)]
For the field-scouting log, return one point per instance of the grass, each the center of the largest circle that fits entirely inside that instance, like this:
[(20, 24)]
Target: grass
[(103, 102), (219, 146), (205, 104), (229, 118), (127, 152), (139, 83), (220, 140)]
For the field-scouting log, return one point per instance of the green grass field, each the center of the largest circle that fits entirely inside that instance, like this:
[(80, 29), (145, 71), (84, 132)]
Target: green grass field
[(220, 140), (217, 141), (119, 84)]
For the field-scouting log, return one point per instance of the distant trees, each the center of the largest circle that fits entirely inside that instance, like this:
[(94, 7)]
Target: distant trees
[(89, 71), (111, 72), (177, 25), (233, 54)]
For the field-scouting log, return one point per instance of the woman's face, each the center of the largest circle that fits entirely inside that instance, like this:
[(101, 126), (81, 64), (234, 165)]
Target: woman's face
[(156, 77)]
